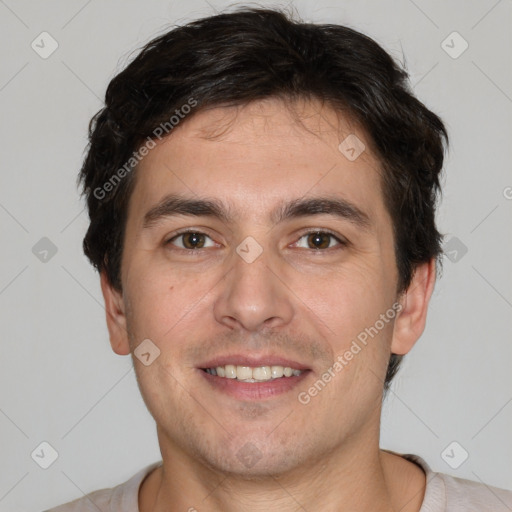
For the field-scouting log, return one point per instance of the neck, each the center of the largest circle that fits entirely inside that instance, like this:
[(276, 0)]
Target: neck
[(357, 477)]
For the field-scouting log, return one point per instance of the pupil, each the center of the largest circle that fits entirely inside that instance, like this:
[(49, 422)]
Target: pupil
[(316, 238), (193, 240)]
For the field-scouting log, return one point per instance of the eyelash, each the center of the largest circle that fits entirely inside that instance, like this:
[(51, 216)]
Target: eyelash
[(342, 243)]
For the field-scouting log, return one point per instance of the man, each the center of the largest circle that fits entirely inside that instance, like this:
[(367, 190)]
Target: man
[(262, 199)]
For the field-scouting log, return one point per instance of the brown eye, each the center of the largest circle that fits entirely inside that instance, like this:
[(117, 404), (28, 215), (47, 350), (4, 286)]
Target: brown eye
[(193, 240), (319, 240), (190, 240)]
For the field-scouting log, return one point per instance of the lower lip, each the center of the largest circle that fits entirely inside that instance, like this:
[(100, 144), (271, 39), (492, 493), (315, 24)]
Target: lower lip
[(254, 390)]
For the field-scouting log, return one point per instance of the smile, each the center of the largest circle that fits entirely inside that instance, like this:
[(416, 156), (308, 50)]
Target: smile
[(253, 374), (253, 382)]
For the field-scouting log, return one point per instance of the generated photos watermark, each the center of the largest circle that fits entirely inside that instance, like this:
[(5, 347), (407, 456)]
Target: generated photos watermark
[(343, 360), (159, 132)]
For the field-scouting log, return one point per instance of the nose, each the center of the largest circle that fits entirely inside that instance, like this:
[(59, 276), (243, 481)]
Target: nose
[(253, 296)]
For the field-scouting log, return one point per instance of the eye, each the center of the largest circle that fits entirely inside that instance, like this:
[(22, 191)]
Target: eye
[(319, 240), (190, 240)]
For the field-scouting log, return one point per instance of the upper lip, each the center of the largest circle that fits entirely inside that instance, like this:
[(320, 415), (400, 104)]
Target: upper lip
[(254, 361)]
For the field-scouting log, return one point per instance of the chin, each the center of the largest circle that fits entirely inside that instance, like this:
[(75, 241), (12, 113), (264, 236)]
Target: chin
[(251, 457)]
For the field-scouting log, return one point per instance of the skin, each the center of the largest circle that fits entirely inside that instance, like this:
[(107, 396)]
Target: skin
[(294, 300)]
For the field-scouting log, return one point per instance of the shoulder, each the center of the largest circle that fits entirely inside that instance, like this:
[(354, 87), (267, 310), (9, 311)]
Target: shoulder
[(446, 493), (123, 497), (94, 501), (467, 495)]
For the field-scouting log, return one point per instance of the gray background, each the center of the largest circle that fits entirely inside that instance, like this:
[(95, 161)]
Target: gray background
[(60, 381)]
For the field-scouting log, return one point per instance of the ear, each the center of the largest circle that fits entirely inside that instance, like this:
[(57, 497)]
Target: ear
[(116, 319), (410, 322)]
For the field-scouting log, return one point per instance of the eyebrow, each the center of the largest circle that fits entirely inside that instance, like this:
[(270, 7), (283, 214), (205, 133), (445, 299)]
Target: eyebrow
[(173, 205)]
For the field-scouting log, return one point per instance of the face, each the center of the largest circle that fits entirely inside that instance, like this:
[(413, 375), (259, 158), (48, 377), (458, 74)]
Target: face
[(288, 263)]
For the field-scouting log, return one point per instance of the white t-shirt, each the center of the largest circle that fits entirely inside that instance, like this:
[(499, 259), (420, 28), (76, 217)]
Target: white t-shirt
[(443, 493)]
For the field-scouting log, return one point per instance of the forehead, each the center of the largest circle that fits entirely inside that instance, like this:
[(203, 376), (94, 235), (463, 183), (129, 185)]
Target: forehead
[(255, 156)]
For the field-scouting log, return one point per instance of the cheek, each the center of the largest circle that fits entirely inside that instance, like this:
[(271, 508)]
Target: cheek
[(161, 299), (349, 309), (349, 301)]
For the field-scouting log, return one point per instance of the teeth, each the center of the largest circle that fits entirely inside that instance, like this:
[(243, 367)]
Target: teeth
[(253, 374), (243, 372), (277, 371), (229, 370), (261, 373)]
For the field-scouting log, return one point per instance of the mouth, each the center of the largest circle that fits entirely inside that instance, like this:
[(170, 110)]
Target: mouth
[(253, 374), (253, 379)]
